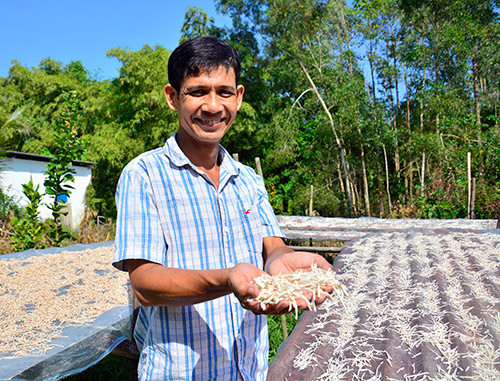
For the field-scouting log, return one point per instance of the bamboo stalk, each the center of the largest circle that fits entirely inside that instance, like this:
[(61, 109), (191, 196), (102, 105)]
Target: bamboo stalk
[(411, 180), (311, 194), (259, 168), (469, 181), (284, 329), (473, 198), (422, 176), (387, 180)]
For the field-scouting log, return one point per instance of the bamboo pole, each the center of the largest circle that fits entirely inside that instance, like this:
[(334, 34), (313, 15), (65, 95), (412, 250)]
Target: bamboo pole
[(284, 329), (311, 194), (387, 180), (310, 211), (469, 181), (422, 176), (259, 168), (473, 198), (411, 180)]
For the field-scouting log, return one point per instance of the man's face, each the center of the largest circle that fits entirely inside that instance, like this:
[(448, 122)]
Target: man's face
[(206, 105)]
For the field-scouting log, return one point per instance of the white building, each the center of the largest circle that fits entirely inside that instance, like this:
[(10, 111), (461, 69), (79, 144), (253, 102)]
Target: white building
[(19, 167)]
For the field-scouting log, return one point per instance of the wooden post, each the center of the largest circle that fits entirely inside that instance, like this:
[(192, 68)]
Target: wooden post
[(422, 177), (259, 168), (411, 180), (311, 194), (472, 198), (284, 329), (310, 211), (387, 180), (468, 184)]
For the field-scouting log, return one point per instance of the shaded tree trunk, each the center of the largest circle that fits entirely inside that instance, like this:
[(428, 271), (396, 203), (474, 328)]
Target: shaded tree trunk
[(335, 134), (475, 73), (388, 190)]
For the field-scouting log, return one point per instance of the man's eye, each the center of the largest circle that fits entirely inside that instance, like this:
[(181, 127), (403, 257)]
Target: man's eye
[(226, 93), (197, 93)]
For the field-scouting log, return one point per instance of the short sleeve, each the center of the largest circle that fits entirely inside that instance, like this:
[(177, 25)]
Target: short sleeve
[(138, 230), (269, 221)]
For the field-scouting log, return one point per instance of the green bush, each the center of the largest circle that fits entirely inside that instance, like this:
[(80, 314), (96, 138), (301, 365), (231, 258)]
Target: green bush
[(9, 206), (28, 232), (275, 332)]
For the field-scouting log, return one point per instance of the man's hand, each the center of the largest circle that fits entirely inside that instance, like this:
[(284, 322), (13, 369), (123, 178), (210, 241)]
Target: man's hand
[(282, 260), (240, 283), (299, 260)]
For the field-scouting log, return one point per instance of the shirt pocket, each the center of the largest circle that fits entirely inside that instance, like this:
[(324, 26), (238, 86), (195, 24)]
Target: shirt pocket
[(248, 235)]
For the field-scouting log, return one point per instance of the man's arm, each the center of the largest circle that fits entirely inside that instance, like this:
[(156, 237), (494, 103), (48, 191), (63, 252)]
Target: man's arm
[(155, 284)]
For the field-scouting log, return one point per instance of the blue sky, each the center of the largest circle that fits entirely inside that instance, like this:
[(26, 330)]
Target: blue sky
[(85, 30)]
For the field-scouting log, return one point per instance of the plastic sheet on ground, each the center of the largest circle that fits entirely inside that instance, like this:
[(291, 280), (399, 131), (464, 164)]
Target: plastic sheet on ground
[(423, 304), (78, 346), (324, 228)]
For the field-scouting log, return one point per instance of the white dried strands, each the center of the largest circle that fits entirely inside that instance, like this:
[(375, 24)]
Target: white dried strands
[(41, 295), (336, 370), (276, 288), (408, 286), (306, 357)]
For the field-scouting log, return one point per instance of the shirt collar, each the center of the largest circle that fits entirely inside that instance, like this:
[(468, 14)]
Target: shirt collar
[(228, 167)]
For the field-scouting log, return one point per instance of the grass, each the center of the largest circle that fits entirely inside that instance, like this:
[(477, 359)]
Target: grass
[(111, 368), (275, 333)]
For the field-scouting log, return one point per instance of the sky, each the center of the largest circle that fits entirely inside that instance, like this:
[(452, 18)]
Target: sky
[(84, 30)]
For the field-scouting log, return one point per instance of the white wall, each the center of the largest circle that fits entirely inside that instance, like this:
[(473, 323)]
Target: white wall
[(17, 171)]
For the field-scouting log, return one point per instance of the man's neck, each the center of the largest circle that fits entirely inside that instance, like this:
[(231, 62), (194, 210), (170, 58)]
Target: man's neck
[(205, 157)]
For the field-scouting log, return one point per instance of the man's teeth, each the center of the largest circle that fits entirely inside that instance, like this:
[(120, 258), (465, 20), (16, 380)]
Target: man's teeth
[(210, 122)]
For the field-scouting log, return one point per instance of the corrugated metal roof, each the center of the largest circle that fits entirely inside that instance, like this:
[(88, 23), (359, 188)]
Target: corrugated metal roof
[(423, 305), (35, 157)]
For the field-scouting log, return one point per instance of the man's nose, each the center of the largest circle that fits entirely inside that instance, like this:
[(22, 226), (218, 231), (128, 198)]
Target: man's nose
[(212, 103)]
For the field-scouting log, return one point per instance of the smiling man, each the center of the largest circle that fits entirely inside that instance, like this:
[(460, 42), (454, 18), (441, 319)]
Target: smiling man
[(195, 227)]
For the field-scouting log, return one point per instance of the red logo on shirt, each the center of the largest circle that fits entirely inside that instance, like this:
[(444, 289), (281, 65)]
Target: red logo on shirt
[(246, 212)]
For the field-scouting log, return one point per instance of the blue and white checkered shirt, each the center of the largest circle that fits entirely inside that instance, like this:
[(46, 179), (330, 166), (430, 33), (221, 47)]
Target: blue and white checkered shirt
[(169, 212)]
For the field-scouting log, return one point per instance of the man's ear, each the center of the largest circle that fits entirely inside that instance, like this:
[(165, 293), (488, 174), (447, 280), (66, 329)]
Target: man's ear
[(171, 96), (239, 95)]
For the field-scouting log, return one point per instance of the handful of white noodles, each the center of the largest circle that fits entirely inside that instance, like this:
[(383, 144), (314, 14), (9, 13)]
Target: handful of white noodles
[(276, 288)]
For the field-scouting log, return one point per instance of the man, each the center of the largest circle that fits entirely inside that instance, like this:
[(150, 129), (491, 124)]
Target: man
[(195, 227)]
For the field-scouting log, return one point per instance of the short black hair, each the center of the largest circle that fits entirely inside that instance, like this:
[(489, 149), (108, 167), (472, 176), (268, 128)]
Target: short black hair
[(201, 53)]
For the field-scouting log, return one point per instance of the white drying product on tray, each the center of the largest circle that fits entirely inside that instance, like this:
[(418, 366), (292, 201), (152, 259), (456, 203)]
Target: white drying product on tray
[(274, 289)]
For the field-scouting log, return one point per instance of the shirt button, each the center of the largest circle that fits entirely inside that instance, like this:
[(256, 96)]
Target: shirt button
[(226, 229)]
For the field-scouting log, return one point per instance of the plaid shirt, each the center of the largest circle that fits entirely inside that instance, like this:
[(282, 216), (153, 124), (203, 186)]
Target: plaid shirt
[(169, 212)]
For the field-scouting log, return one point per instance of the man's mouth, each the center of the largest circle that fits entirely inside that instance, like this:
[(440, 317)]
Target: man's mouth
[(210, 122)]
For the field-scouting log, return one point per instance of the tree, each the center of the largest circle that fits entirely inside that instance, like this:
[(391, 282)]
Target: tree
[(59, 173), (198, 24), (309, 34)]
